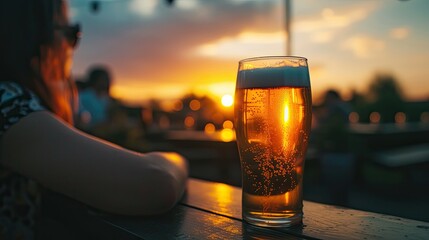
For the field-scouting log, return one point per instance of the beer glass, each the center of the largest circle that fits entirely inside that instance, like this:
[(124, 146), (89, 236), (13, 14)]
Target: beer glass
[(272, 120)]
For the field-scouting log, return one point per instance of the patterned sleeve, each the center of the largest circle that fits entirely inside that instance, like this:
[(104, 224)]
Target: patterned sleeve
[(16, 102)]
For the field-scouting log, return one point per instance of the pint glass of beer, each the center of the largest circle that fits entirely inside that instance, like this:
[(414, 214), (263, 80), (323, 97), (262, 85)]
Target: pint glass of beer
[(272, 121)]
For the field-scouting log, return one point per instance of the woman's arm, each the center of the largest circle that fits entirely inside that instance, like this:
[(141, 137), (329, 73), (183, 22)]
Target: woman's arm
[(93, 171)]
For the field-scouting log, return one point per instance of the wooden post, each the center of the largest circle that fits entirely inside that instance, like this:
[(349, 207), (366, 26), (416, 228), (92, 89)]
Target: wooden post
[(288, 17)]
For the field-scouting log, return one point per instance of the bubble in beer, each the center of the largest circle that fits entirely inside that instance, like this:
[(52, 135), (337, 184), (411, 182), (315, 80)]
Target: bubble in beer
[(272, 173)]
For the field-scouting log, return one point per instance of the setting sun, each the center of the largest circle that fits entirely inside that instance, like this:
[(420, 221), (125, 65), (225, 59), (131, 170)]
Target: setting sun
[(227, 100)]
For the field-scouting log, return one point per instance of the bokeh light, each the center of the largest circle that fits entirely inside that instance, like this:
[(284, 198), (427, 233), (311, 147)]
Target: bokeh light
[(400, 118), (354, 117), (189, 122), (227, 135), (374, 117), (209, 128), (195, 105), (228, 124), (424, 117)]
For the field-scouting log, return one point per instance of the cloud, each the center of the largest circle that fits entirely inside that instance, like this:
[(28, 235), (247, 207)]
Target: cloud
[(323, 37), (187, 4), (324, 26), (364, 46), (145, 8), (399, 33), (330, 19), (246, 44)]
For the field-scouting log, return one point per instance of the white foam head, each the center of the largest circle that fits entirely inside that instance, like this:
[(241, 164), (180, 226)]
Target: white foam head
[(274, 77)]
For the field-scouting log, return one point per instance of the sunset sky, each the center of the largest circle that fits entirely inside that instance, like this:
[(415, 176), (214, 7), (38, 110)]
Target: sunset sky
[(160, 51)]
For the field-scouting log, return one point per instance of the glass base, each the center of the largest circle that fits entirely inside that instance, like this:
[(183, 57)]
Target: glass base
[(273, 220)]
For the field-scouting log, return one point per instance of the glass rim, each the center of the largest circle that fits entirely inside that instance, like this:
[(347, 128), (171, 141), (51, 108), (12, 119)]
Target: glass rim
[(251, 59)]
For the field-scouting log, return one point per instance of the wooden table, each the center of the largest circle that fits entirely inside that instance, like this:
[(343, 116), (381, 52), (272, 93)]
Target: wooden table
[(212, 210)]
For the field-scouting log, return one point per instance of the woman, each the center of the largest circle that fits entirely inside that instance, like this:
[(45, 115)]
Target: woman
[(38, 142)]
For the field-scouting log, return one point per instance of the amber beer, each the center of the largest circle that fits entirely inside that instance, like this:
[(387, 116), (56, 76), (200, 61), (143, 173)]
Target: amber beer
[(272, 120)]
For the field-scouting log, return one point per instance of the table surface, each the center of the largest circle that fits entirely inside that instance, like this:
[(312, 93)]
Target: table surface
[(212, 210)]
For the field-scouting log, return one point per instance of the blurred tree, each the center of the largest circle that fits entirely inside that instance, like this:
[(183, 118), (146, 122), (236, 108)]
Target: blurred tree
[(360, 104), (385, 97)]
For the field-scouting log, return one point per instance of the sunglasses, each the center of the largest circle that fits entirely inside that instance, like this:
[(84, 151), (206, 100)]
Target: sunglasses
[(72, 33)]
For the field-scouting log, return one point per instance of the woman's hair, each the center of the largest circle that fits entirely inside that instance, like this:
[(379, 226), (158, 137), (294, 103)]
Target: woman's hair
[(31, 55)]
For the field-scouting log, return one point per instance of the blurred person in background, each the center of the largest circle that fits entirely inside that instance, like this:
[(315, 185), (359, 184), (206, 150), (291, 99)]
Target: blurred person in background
[(108, 118), (332, 123), (40, 148), (331, 135), (95, 99)]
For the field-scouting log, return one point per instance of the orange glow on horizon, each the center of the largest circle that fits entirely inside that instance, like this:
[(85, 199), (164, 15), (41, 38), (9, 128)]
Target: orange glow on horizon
[(141, 94)]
